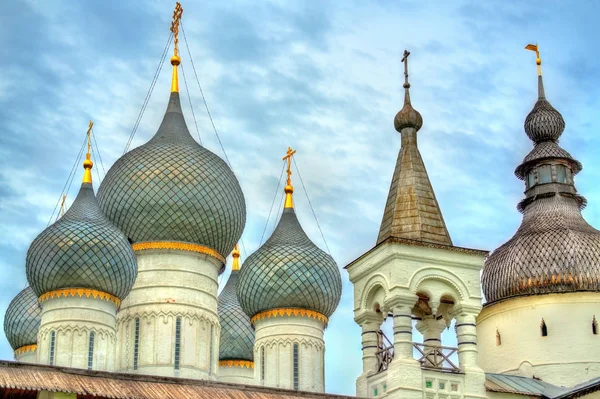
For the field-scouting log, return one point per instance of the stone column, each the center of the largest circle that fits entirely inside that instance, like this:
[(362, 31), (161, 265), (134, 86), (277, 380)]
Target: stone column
[(466, 334), (370, 323)]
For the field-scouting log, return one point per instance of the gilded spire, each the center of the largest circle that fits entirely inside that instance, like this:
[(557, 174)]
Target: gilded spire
[(88, 164), (289, 189), (411, 211), (235, 254), (408, 116), (175, 60)]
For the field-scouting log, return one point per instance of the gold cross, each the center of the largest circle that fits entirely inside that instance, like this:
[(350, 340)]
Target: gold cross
[(288, 156), (175, 24), (405, 61), (89, 134)]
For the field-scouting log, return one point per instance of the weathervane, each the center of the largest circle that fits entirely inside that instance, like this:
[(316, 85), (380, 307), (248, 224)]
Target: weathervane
[(538, 60)]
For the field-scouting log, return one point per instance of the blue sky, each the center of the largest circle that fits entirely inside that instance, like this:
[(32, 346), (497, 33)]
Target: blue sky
[(322, 77)]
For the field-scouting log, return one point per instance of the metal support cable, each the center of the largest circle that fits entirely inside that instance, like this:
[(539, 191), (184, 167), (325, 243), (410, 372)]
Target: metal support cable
[(98, 151), (190, 100), (272, 204), (311, 207), (149, 93), (67, 185)]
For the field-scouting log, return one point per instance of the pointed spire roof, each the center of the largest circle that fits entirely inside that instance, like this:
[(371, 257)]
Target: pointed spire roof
[(411, 211)]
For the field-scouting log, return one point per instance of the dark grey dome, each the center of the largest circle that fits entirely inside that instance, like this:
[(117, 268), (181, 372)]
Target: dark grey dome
[(82, 250), (289, 271), (237, 334), (173, 189), (554, 250), (544, 122), (22, 319)]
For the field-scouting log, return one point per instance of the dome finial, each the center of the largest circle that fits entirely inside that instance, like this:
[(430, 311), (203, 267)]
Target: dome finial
[(235, 254), (88, 164), (538, 62), (408, 116), (289, 189), (175, 60)]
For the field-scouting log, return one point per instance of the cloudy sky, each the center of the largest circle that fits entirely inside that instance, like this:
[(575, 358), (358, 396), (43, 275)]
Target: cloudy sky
[(321, 76)]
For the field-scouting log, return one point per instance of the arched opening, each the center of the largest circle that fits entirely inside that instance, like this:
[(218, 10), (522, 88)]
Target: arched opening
[(544, 328), (498, 338), (594, 326)]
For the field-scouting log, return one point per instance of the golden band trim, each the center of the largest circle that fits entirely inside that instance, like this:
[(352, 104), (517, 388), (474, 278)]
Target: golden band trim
[(236, 363), (181, 246), (24, 349), (80, 292), (282, 312)]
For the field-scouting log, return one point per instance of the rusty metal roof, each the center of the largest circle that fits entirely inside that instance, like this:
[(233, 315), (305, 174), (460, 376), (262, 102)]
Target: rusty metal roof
[(23, 379)]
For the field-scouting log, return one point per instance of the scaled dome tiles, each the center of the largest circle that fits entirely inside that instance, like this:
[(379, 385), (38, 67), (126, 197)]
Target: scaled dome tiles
[(82, 250), (22, 319), (173, 189), (289, 271)]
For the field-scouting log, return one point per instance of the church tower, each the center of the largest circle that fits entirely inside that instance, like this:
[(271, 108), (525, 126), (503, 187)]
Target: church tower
[(183, 210), (21, 325), (236, 346), (415, 273), (542, 286), (80, 268), (289, 288)]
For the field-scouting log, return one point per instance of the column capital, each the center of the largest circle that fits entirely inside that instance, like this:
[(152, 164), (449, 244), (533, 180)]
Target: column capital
[(406, 301), (366, 317), (459, 310)]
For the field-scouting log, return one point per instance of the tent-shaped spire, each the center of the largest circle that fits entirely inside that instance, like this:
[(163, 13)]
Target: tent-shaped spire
[(411, 211)]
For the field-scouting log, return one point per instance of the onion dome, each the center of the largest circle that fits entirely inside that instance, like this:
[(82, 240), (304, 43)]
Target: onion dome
[(554, 250), (289, 271), (83, 249), (237, 334), (22, 319), (407, 116), (173, 189)]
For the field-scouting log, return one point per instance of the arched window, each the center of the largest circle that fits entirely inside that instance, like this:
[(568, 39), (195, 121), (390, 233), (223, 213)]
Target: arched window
[(544, 329), (296, 367), (136, 343), (262, 363), (498, 338), (52, 346), (178, 341), (210, 351), (594, 326), (91, 351)]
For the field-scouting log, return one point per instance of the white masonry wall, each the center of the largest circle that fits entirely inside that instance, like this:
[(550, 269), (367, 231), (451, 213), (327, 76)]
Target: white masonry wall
[(171, 284), (236, 375), (27, 357), (277, 336), (72, 319), (568, 355)]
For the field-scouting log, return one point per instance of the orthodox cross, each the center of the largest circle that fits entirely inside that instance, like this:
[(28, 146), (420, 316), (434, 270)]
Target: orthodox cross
[(288, 157), (538, 60), (89, 135), (405, 61), (175, 24)]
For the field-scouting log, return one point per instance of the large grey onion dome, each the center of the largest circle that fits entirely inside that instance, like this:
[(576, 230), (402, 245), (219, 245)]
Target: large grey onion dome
[(237, 334), (544, 122), (83, 249), (22, 319), (173, 189), (289, 271)]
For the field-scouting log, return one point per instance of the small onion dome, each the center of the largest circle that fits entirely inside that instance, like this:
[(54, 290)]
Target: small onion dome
[(22, 319), (289, 271), (173, 189), (408, 117), (83, 249), (237, 334), (544, 122), (555, 250)]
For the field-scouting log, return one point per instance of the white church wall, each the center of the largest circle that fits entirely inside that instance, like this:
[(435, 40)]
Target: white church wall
[(568, 355), (236, 374), (171, 285), (274, 350), (29, 356), (71, 320)]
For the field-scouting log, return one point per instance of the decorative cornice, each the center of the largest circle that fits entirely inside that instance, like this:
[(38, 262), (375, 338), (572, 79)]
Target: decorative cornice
[(24, 349), (177, 245), (282, 312), (80, 292), (236, 363)]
